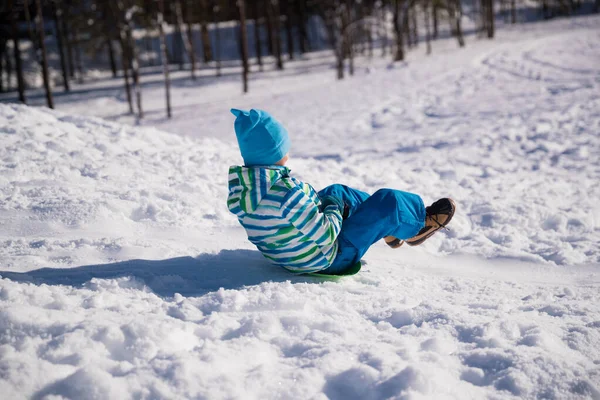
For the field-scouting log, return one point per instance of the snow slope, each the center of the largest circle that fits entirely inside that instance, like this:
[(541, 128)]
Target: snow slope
[(124, 275)]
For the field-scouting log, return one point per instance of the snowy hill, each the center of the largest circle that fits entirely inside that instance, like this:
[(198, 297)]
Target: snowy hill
[(124, 275)]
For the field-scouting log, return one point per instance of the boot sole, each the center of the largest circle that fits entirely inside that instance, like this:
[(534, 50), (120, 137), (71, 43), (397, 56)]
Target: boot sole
[(394, 244), (433, 231)]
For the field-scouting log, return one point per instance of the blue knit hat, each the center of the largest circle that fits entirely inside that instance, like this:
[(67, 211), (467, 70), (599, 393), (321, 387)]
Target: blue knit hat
[(262, 139)]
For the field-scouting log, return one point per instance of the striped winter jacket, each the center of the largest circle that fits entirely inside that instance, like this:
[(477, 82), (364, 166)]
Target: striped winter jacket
[(282, 218)]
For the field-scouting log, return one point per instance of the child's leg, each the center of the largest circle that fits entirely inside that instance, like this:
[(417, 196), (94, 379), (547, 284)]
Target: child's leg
[(349, 196), (388, 212)]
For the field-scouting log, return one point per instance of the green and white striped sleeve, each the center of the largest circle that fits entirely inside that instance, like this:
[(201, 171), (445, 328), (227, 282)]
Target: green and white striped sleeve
[(301, 210)]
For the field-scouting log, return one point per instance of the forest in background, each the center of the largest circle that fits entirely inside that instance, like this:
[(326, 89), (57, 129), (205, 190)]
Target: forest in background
[(124, 36)]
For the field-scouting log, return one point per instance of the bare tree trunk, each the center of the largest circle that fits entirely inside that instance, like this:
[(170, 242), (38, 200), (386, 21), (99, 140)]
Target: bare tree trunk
[(111, 55), (289, 14), (513, 11), (2, 57), (40, 27), (9, 67), (269, 24), (59, 41), (399, 56), (109, 43), (300, 9), (337, 43), (34, 40), (348, 36), (490, 17), (434, 10), (17, 53), (177, 36), (125, 66), (427, 32), (276, 32), (455, 25), (406, 26), (257, 43), (415, 28), (204, 34), (383, 30), (370, 34), (216, 11), (189, 45), (163, 54), (135, 63), (190, 37), (244, 45), (78, 61), (68, 36)]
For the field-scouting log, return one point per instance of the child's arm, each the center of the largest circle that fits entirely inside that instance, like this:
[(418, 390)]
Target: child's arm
[(301, 210)]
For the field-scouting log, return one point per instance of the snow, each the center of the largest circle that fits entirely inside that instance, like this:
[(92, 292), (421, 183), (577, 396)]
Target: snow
[(124, 275)]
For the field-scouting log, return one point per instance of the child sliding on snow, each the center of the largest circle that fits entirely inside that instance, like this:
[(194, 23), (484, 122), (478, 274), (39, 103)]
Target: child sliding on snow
[(326, 232)]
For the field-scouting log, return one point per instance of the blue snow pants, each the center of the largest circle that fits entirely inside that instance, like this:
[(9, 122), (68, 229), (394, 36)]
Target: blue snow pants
[(387, 212)]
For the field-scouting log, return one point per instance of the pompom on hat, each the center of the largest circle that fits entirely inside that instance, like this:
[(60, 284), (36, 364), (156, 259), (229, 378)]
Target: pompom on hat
[(262, 139)]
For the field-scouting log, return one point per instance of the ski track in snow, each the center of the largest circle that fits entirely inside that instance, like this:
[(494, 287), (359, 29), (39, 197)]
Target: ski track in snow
[(124, 275)]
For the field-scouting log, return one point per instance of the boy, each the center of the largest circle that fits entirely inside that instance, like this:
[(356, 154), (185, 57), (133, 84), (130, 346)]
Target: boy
[(304, 231)]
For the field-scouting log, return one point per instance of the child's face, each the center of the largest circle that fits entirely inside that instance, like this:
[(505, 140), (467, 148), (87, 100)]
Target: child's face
[(283, 160)]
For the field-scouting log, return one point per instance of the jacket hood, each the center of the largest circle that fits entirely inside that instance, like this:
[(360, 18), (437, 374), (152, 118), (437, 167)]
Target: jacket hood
[(248, 186)]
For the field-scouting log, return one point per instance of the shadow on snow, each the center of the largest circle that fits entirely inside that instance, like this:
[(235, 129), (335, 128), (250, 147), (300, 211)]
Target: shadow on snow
[(189, 276)]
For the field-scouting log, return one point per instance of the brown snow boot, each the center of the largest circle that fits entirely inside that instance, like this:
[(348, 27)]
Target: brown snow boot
[(393, 242), (438, 215)]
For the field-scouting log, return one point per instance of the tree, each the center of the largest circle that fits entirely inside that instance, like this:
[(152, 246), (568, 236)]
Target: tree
[(206, 47), (434, 11), (244, 42), (111, 56), (59, 41), (177, 37), (348, 35), (2, 57), (513, 11), (426, 4), (216, 11), (414, 27), (109, 39), (32, 37), (269, 25), (40, 27), (133, 56), (490, 17), (68, 36), (163, 51), (455, 12), (190, 40), (289, 28), (116, 13), (273, 19), (189, 45), (257, 41), (383, 29), (399, 56), (17, 52), (301, 11)]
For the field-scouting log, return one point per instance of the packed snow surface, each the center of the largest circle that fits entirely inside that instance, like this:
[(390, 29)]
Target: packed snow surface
[(124, 275)]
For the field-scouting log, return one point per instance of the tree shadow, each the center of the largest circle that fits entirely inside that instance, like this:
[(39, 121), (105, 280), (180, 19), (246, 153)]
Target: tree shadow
[(189, 276)]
